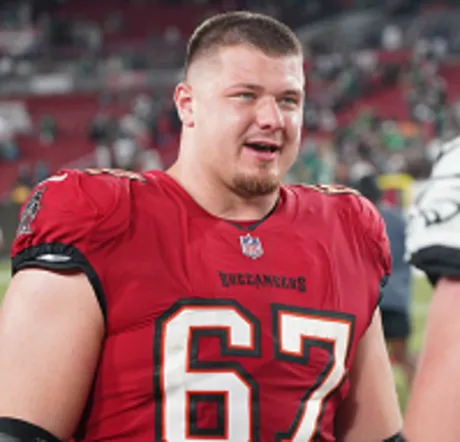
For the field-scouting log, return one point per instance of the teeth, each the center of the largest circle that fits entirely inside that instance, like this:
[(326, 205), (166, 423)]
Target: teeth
[(262, 147)]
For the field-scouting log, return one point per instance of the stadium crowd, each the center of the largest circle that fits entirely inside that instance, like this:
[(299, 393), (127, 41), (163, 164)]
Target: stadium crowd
[(376, 100), (91, 84)]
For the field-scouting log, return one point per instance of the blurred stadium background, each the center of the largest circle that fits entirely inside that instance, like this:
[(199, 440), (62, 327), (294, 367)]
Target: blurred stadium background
[(89, 84)]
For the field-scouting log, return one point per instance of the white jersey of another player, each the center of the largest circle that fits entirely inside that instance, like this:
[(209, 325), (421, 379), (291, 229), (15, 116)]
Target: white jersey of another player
[(433, 236), (433, 245)]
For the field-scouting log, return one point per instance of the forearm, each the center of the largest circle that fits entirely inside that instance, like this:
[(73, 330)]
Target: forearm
[(432, 413), (370, 413)]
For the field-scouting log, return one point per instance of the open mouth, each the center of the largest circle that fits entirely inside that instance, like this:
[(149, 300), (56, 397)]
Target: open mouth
[(262, 147)]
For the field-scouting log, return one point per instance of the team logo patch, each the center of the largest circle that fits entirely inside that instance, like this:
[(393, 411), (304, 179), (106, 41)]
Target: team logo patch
[(29, 212), (251, 246)]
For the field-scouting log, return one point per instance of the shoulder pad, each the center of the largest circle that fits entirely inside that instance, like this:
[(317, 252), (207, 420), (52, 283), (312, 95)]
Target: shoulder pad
[(73, 200), (363, 221), (73, 221), (72, 209)]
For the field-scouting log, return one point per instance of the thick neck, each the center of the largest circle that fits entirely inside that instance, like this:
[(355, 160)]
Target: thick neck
[(215, 197)]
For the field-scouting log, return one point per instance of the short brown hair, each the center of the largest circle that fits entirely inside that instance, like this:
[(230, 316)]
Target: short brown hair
[(242, 27)]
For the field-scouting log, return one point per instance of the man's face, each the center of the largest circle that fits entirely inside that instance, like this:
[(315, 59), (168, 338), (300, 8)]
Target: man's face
[(245, 111)]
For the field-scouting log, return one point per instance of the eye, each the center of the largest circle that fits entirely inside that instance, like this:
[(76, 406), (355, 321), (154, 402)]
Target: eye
[(290, 101), (246, 95)]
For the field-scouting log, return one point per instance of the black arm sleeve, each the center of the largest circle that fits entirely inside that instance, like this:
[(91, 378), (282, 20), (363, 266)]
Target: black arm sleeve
[(16, 430), (396, 438)]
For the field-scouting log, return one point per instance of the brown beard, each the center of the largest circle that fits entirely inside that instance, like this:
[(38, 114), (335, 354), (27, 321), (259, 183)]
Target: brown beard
[(251, 187)]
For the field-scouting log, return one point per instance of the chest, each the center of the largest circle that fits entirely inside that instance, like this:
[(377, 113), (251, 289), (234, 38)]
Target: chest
[(234, 318), (300, 266)]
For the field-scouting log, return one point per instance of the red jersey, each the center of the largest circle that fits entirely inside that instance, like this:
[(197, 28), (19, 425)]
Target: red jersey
[(215, 331)]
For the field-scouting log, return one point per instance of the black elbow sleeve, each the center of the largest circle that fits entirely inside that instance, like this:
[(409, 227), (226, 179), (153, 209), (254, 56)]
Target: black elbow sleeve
[(16, 430)]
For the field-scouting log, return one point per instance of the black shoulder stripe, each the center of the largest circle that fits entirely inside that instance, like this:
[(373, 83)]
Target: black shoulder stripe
[(60, 257)]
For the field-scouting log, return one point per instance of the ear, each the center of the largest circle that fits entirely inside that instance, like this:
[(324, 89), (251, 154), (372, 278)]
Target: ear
[(183, 97)]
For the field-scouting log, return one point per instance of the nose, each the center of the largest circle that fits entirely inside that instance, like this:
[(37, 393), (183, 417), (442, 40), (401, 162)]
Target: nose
[(269, 115)]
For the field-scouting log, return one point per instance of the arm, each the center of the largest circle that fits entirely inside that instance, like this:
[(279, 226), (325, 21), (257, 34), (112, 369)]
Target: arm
[(432, 413), (370, 412), (51, 330)]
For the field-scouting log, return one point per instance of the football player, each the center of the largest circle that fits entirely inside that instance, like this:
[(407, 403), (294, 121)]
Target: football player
[(208, 303), (395, 304), (433, 243)]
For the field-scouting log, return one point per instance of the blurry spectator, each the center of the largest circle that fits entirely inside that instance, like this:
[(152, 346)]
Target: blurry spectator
[(25, 176), (100, 133), (6, 66), (20, 193), (23, 185), (174, 119), (361, 168), (391, 136), (114, 23), (8, 148), (103, 156), (328, 121), (143, 106), (149, 159), (100, 129), (392, 38), (163, 133), (94, 38), (41, 171), (310, 117), (340, 74), (171, 35), (439, 47), (124, 152), (48, 129), (341, 175), (316, 163), (132, 126)]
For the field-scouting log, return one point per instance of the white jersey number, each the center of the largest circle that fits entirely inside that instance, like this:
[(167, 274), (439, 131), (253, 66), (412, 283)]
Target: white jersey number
[(183, 381)]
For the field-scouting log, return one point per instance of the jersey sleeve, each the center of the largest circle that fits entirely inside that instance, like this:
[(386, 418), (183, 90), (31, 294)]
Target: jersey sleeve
[(375, 248), (433, 233), (71, 222)]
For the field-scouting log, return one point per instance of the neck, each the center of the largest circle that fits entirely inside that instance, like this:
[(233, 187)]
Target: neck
[(216, 198)]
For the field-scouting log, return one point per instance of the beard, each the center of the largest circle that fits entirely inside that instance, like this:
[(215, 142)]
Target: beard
[(248, 186)]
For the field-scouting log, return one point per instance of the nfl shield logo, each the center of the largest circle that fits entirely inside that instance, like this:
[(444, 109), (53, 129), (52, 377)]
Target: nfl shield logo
[(251, 246)]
